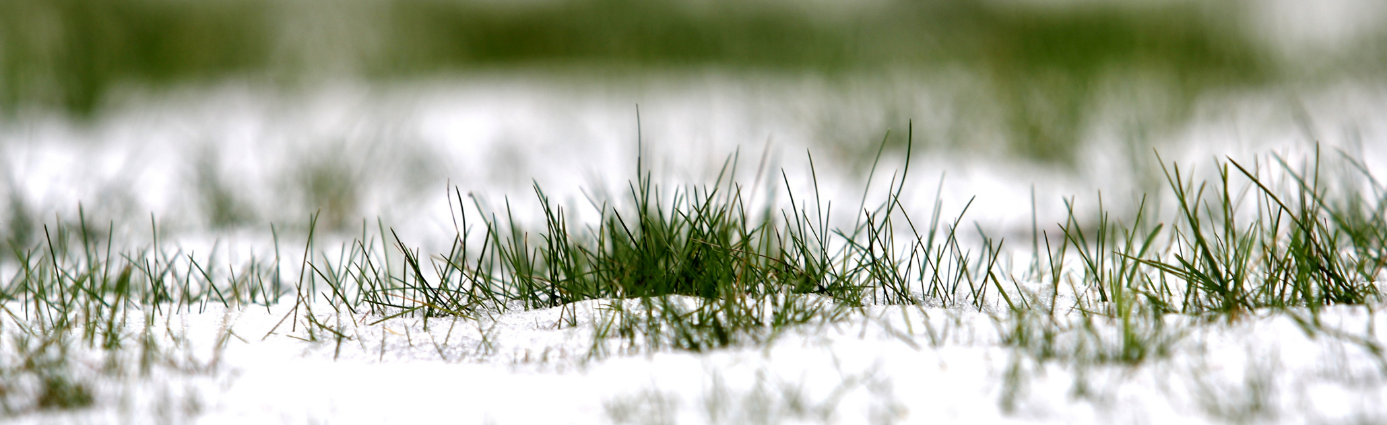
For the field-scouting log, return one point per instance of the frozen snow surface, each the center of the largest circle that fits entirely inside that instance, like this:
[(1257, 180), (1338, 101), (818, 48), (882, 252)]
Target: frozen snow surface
[(886, 364)]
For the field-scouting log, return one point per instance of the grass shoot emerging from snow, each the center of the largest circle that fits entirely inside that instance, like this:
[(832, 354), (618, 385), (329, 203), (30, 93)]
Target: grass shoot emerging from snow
[(701, 268)]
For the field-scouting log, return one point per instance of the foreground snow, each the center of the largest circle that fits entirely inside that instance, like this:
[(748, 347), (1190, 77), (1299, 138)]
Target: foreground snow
[(880, 365)]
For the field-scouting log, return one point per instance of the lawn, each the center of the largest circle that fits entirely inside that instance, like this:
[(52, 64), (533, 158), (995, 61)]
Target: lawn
[(678, 212)]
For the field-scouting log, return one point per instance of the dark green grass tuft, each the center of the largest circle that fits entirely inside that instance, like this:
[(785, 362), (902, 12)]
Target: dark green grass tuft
[(746, 272)]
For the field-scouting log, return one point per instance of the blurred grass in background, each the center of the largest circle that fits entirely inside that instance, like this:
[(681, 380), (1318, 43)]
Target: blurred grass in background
[(1042, 62)]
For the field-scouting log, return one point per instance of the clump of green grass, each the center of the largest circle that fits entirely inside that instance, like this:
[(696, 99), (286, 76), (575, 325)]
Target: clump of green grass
[(1298, 245), (708, 271), (222, 207), (1282, 238), (74, 301), (18, 216)]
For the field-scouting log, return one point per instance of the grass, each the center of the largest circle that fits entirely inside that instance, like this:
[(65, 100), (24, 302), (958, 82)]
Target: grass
[(75, 302), (700, 268)]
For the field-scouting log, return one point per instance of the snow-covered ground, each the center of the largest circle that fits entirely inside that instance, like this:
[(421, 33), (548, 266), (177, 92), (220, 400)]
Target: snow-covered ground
[(880, 365), (397, 147)]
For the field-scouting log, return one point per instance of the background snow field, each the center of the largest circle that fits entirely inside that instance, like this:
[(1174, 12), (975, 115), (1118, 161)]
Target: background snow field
[(678, 211)]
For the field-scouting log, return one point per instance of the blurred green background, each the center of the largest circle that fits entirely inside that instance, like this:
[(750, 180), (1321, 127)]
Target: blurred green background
[(1043, 63)]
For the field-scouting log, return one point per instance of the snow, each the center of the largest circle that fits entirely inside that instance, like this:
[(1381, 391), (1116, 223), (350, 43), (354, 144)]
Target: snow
[(879, 366), (493, 135)]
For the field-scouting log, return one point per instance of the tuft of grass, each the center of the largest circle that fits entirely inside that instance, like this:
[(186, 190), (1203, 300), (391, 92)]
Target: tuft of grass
[(74, 301), (59, 392), (330, 184), (1295, 251), (704, 268), (19, 222), (222, 206), (1288, 239)]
